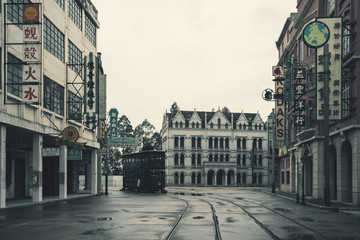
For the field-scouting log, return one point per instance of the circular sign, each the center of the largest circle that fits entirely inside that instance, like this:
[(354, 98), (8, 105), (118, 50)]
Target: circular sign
[(31, 13), (316, 34), (70, 133)]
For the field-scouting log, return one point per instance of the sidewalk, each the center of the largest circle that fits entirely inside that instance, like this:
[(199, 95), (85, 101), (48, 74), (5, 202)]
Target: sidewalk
[(14, 203), (318, 203)]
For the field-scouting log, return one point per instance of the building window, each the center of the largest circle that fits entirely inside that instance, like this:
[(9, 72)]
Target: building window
[(210, 158), (199, 178), (75, 58), (244, 160), (199, 142), (193, 159), (14, 75), (176, 178), (219, 123), (244, 143), (211, 125), (330, 6), (210, 143), (176, 160), (53, 96), (182, 178), (197, 126), (238, 143), (182, 139), (216, 158), (61, 3), (181, 124), (193, 125), (287, 177), (199, 159), (193, 178), (238, 160), (75, 13), (227, 157), (244, 178), (346, 37), (176, 142), (260, 144), (221, 158), (74, 107), (221, 143), (193, 140), (260, 178), (90, 30), (227, 143), (54, 40), (182, 160), (260, 161), (14, 12), (216, 143), (282, 178)]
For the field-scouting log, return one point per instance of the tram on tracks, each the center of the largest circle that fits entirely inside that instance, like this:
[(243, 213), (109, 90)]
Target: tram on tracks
[(144, 171)]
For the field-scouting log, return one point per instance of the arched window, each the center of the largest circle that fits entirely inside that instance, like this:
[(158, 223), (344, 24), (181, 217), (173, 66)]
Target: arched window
[(176, 160), (240, 126), (210, 158), (211, 125), (227, 157), (219, 123), (193, 178), (260, 178), (199, 159), (254, 178), (221, 158), (199, 178), (193, 125), (244, 178), (193, 159), (182, 178), (197, 125), (176, 178), (177, 125), (181, 124)]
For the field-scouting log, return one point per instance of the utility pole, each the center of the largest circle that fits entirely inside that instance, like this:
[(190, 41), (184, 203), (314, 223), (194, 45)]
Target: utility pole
[(273, 151), (326, 127)]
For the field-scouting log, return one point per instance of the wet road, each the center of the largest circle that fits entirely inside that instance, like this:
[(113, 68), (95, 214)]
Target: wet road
[(204, 213)]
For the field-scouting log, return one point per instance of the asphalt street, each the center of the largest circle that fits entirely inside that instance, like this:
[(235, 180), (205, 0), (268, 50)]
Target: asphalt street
[(197, 213)]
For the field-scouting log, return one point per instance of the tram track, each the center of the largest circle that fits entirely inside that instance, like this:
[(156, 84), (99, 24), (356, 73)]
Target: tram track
[(171, 232), (265, 228), (216, 226)]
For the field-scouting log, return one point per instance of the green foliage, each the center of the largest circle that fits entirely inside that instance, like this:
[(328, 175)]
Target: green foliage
[(144, 131), (174, 108), (225, 110)]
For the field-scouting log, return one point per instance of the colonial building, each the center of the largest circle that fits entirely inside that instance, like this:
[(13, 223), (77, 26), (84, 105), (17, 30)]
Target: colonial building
[(42, 47), (315, 171), (215, 148)]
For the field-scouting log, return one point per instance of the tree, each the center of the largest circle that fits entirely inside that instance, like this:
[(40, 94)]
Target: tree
[(225, 110), (174, 108), (156, 141), (113, 162), (125, 128)]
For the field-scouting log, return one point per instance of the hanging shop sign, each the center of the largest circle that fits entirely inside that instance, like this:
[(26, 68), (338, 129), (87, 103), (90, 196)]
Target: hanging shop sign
[(124, 142), (335, 25), (32, 53), (278, 73), (113, 122), (69, 137)]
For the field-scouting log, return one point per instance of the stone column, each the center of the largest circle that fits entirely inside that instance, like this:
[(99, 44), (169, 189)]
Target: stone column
[(63, 172), (215, 178), (93, 171), (37, 172), (99, 168), (2, 166)]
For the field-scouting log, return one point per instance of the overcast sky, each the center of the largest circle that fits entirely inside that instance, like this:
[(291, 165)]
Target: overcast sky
[(202, 54)]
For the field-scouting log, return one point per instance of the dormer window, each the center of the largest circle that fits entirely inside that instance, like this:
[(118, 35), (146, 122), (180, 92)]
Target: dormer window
[(176, 125), (193, 125), (219, 123), (181, 124)]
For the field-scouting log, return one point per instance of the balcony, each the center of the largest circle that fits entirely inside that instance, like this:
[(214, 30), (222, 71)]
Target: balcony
[(306, 134)]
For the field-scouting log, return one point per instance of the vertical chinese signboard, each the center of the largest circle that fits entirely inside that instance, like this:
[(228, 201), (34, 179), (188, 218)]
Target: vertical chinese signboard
[(278, 73), (113, 122), (31, 54), (335, 71)]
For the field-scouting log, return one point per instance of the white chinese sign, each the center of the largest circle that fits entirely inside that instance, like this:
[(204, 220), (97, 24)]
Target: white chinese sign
[(32, 54), (335, 26)]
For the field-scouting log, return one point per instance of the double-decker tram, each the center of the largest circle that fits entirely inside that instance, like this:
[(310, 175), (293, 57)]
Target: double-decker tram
[(144, 171)]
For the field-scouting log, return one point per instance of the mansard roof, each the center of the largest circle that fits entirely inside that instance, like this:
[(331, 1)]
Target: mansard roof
[(188, 114)]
